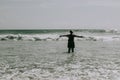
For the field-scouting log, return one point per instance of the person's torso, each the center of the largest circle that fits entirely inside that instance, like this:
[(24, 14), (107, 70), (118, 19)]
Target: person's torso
[(71, 38)]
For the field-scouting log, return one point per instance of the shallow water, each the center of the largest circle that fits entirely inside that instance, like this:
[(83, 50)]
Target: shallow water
[(49, 60)]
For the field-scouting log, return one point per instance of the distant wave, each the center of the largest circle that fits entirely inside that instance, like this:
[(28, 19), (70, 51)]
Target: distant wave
[(99, 30), (45, 31), (53, 34), (53, 37)]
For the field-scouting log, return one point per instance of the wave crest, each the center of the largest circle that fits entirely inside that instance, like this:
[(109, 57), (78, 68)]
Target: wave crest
[(53, 37)]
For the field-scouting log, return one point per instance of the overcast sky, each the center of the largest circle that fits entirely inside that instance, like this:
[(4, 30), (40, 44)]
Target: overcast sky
[(37, 14)]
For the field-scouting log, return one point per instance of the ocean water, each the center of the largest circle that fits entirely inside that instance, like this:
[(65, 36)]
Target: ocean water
[(42, 55), (53, 34)]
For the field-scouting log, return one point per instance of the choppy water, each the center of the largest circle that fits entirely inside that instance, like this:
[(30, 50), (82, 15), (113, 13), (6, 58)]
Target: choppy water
[(53, 34), (48, 60)]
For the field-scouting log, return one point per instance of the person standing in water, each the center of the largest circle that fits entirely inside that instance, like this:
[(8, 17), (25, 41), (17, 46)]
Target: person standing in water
[(71, 44)]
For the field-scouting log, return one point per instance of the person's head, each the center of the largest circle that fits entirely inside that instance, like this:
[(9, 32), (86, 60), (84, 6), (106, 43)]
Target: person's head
[(71, 32)]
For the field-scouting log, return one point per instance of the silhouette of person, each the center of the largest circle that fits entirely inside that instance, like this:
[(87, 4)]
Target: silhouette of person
[(71, 44)]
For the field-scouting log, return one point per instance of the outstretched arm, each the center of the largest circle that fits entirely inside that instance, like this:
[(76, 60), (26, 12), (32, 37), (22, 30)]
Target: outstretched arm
[(79, 36), (63, 35)]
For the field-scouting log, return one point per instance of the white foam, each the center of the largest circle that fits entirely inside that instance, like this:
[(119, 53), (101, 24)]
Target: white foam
[(46, 37)]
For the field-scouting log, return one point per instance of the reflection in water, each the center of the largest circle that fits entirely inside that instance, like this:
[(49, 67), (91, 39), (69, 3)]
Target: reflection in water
[(69, 60)]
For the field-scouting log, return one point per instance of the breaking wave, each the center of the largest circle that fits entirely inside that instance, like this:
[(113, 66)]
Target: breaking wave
[(55, 37), (53, 34)]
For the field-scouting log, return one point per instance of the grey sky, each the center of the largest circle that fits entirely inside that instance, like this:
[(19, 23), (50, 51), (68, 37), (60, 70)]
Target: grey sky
[(37, 14)]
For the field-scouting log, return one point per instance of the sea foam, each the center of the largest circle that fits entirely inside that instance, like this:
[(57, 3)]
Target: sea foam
[(55, 37), (45, 35)]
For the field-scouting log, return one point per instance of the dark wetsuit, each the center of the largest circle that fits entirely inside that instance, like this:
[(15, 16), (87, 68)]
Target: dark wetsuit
[(71, 43)]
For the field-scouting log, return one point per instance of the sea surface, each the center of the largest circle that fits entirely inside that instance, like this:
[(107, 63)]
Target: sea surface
[(42, 55), (53, 34)]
